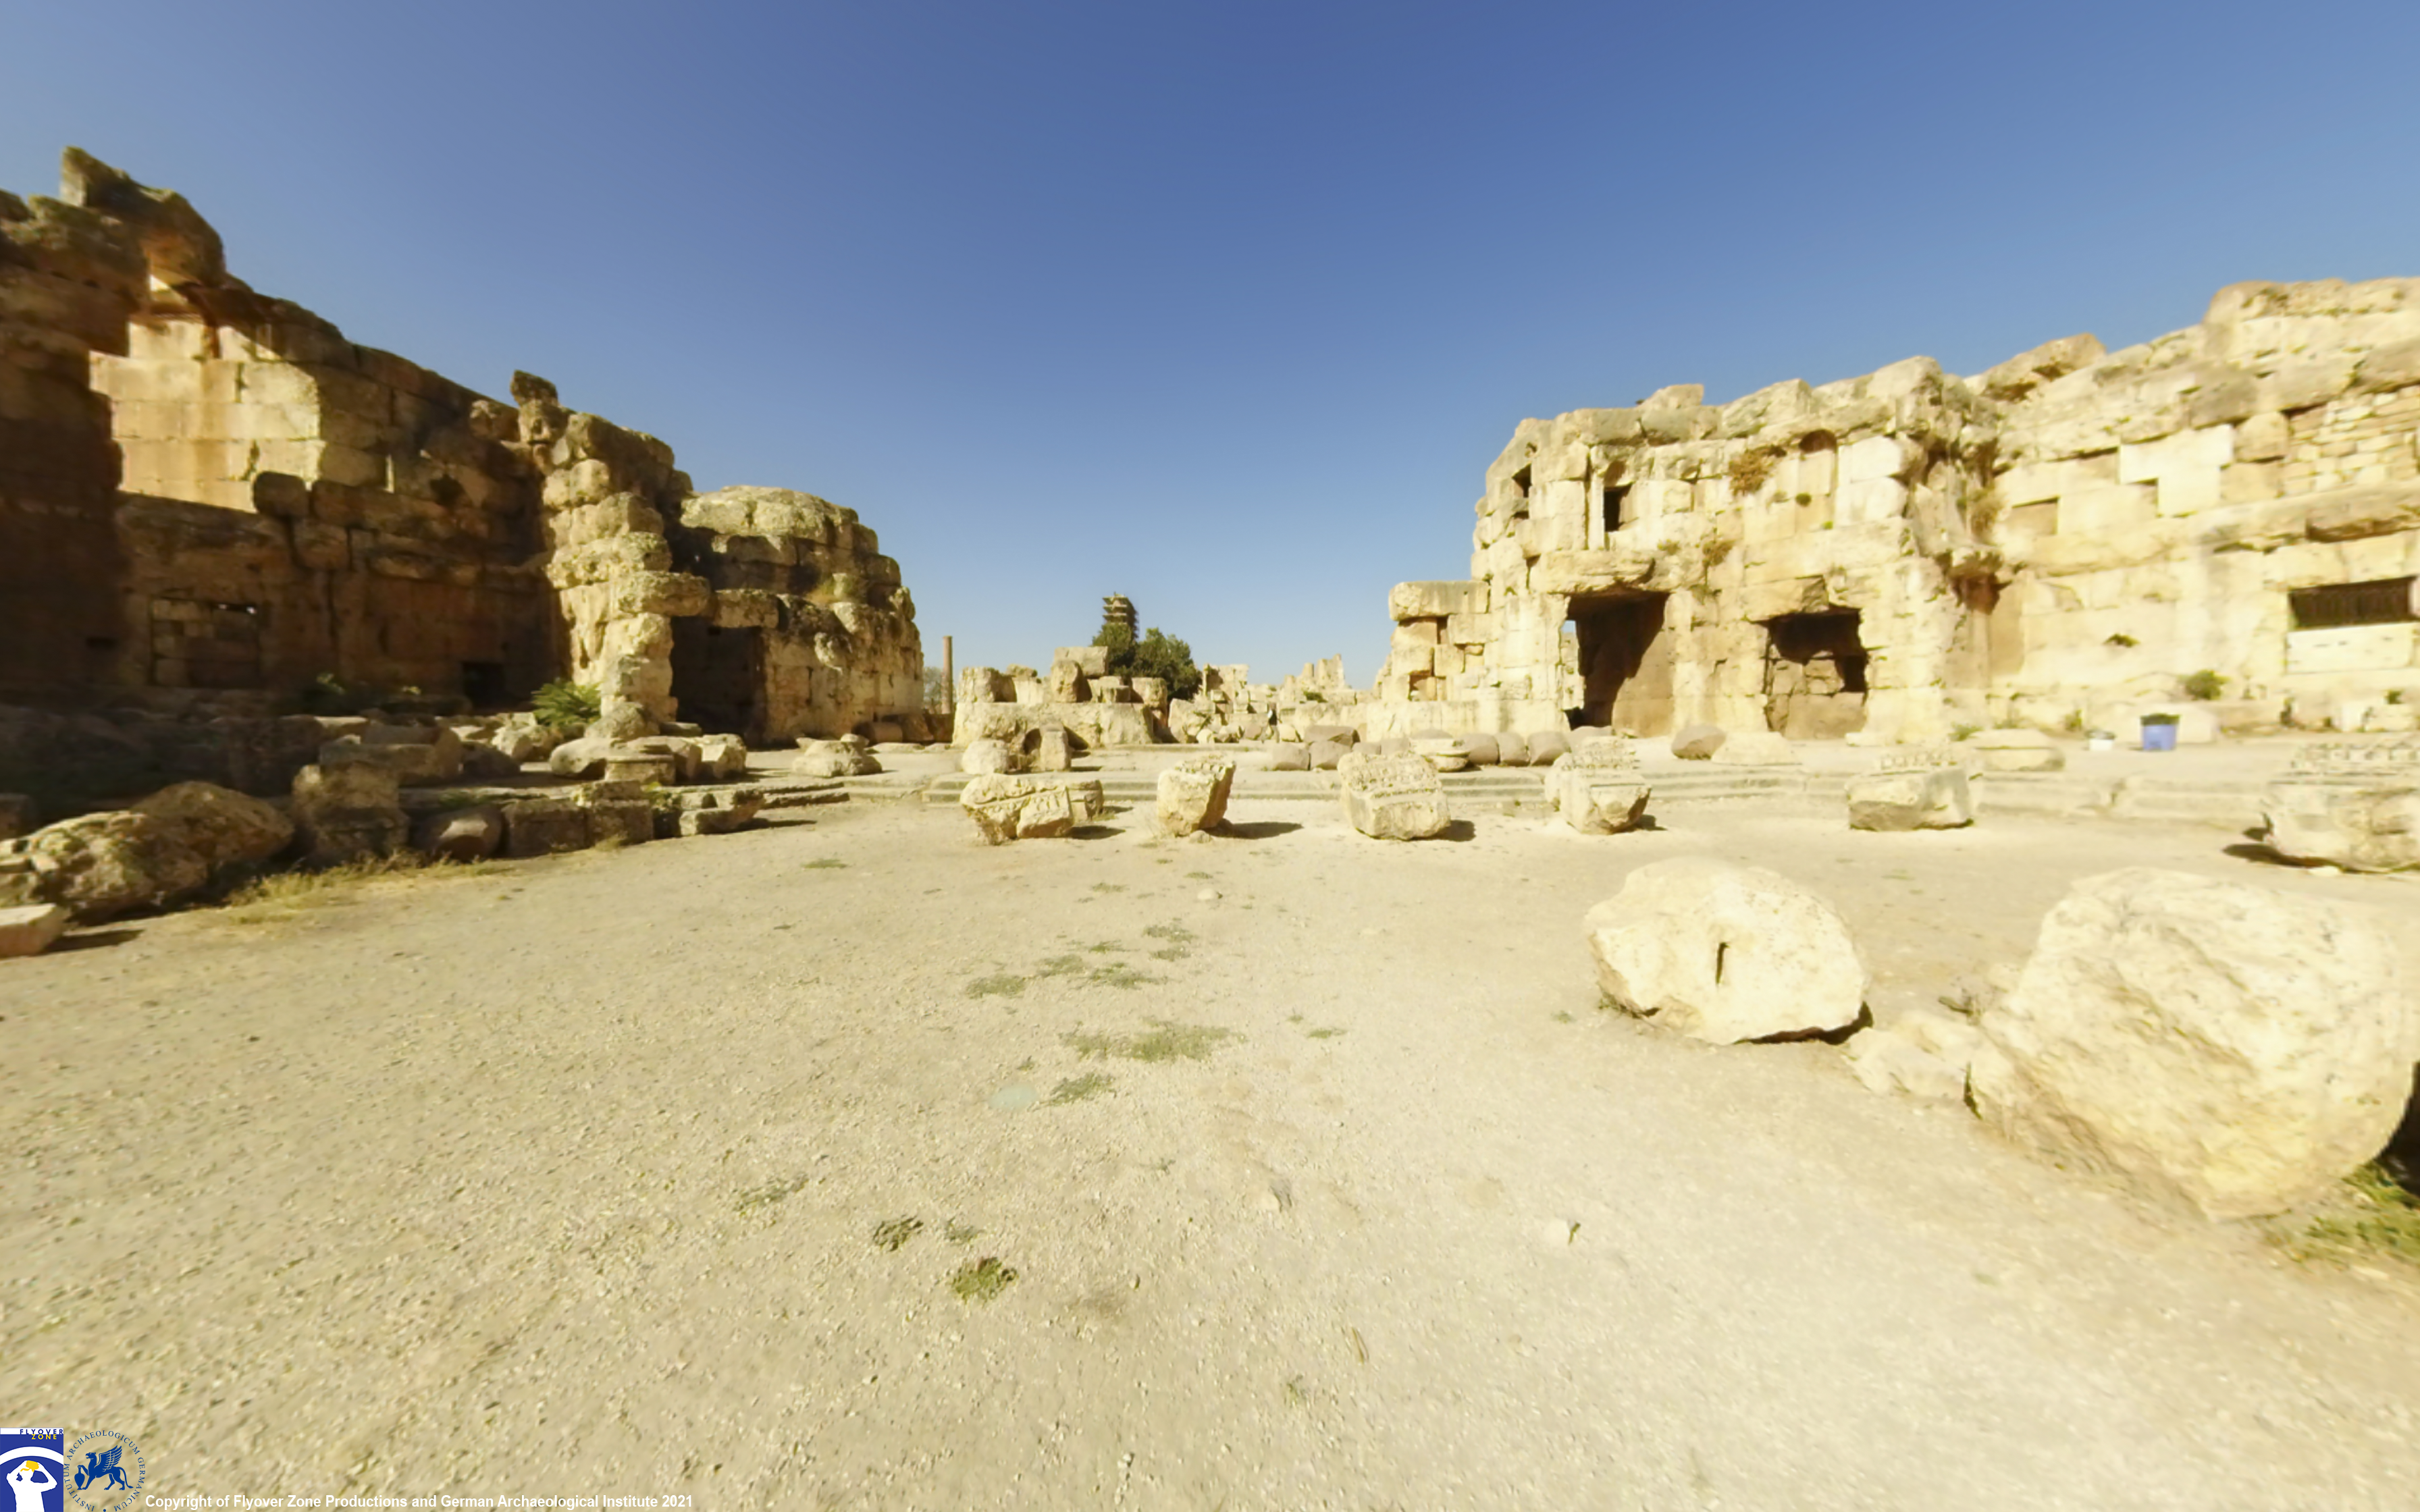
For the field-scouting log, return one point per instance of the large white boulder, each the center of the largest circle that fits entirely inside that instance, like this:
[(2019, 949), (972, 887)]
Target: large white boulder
[(1392, 797), (1193, 794), (2236, 1046), (1723, 952)]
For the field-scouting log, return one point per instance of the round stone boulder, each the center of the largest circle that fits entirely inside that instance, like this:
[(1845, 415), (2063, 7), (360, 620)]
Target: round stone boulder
[(1726, 954), (2235, 1046)]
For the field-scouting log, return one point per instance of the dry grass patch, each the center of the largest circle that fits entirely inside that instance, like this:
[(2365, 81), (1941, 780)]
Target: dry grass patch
[(285, 895), (2369, 1217)]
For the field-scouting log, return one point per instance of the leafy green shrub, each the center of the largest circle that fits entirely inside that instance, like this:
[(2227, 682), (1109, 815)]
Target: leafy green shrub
[(2205, 685), (563, 704), (1156, 655), (1965, 732)]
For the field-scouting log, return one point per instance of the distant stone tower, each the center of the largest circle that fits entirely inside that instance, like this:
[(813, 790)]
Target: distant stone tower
[(1118, 609)]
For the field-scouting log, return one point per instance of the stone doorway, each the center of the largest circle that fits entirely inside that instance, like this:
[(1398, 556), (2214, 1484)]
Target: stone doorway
[(1626, 663), (1815, 676), (718, 677)]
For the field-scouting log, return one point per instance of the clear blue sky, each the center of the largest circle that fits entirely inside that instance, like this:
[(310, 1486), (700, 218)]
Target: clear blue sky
[(1224, 306)]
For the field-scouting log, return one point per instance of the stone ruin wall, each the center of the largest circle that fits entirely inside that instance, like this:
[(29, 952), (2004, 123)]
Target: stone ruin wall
[(2061, 539), (207, 493)]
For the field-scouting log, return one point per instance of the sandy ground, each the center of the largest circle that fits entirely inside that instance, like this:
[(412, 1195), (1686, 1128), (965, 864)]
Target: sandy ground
[(565, 1178)]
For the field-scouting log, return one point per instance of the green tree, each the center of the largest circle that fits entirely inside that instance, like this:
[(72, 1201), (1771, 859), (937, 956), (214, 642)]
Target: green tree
[(1156, 655)]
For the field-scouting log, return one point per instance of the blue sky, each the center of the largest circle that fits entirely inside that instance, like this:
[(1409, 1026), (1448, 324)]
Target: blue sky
[(1225, 307)]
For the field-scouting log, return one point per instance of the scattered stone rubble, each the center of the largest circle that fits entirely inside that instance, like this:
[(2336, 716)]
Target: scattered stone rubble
[(2200, 1040)]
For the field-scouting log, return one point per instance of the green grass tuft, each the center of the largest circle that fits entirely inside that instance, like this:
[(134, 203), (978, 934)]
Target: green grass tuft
[(894, 1232), (829, 863), (982, 1280), (1165, 1040), (2368, 1217), (1001, 985), (1077, 1089)]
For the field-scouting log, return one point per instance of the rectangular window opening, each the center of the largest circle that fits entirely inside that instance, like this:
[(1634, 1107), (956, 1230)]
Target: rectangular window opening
[(2342, 605), (1617, 506)]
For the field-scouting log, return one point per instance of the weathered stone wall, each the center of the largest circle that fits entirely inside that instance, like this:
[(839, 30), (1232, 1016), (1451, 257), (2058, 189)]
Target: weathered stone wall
[(2065, 538), (204, 489), (69, 278)]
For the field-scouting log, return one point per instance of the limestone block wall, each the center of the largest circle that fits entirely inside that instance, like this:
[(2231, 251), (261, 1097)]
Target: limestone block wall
[(2166, 504), (806, 611), (69, 277), (205, 490), (2061, 538)]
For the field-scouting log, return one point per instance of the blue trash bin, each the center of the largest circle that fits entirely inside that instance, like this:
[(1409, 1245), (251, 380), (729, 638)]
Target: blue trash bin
[(2159, 737)]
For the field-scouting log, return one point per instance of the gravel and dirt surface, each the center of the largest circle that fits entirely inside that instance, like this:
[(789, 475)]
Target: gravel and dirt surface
[(848, 1163)]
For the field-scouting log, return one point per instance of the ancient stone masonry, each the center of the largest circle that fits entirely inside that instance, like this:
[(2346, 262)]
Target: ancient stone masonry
[(2065, 539), (207, 493)]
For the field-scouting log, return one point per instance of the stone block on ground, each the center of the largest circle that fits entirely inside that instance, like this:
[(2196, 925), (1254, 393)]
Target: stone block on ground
[(582, 759), (1726, 954), (1598, 788), (1392, 797), (471, 834), (2355, 806), (1052, 750), (1544, 746), (349, 812), (1323, 755), (619, 812), (545, 826), (1697, 743), (1443, 752), (721, 759), (1006, 807), (1193, 794), (100, 865), (1482, 751), (1929, 797), (2236, 1046), (1290, 757), (843, 756), (991, 758), (1512, 749), (31, 928), (223, 826), (417, 755), (642, 768)]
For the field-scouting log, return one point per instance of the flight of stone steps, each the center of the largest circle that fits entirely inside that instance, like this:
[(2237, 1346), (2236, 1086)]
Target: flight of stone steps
[(2230, 804)]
